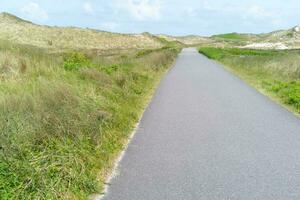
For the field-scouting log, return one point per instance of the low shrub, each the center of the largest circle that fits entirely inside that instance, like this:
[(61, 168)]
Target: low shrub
[(142, 53), (75, 61), (289, 92), (110, 69)]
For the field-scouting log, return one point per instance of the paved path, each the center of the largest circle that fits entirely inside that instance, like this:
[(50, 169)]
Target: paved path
[(208, 135)]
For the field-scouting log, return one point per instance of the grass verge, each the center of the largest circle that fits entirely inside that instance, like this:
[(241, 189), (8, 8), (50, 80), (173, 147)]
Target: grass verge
[(64, 118), (273, 72)]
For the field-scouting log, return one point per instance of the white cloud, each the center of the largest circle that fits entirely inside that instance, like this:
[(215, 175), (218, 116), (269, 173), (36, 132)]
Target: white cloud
[(259, 12), (190, 12), (143, 10), (88, 8), (109, 26), (252, 12), (208, 5), (33, 11), (277, 22)]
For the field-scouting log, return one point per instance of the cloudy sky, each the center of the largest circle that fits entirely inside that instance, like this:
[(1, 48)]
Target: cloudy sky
[(176, 17)]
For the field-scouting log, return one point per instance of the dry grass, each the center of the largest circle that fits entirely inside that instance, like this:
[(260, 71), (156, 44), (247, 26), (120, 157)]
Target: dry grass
[(23, 32), (191, 40)]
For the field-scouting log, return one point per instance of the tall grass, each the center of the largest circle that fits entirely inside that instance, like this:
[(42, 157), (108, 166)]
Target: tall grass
[(274, 72), (65, 117)]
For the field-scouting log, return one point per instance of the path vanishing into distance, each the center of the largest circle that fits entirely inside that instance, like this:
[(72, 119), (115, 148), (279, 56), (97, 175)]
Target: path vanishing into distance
[(208, 135)]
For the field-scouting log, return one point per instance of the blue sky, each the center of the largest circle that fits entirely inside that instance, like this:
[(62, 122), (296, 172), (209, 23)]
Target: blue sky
[(175, 17)]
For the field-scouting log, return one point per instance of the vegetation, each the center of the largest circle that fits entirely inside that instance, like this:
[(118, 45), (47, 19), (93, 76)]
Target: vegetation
[(75, 61), (232, 40), (189, 40), (60, 39), (64, 117), (230, 36), (276, 73)]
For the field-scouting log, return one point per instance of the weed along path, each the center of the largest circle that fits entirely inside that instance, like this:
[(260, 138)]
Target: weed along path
[(208, 135)]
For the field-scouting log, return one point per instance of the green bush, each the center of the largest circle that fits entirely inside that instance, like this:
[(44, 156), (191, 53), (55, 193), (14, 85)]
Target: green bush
[(75, 61), (289, 92), (290, 35), (110, 69), (144, 52)]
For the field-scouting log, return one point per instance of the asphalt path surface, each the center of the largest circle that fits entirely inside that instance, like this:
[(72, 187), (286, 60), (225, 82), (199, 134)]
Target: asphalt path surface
[(208, 135)]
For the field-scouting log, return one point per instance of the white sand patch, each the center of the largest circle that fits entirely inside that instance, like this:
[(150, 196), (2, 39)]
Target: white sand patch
[(266, 45)]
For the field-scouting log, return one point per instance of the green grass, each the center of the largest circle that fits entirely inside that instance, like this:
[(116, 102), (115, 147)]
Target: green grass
[(218, 53), (230, 40), (275, 73), (65, 117), (230, 36)]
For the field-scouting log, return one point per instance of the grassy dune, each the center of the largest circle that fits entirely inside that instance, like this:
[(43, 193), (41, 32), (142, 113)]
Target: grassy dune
[(19, 31), (230, 36), (189, 40), (275, 73), (64, 117)]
